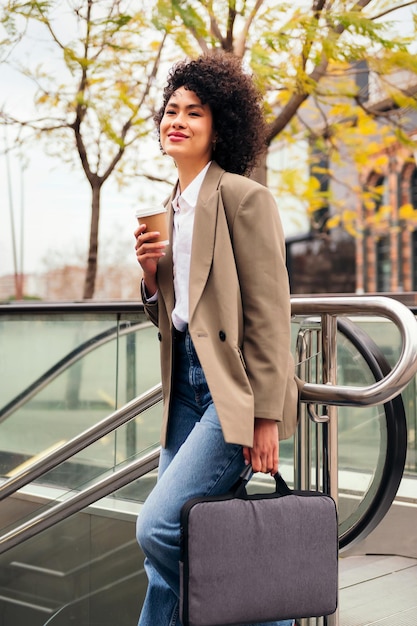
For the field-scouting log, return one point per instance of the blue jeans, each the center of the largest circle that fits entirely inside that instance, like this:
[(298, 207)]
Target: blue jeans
[(196, 462)]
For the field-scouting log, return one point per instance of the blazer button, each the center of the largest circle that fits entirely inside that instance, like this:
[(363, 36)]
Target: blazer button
[(159, 336), (222, 335)]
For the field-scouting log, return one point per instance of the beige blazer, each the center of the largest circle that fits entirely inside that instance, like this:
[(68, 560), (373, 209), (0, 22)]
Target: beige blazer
[(239, 307)]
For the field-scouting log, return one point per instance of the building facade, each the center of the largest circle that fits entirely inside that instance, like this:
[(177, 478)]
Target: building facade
[(386, 245)]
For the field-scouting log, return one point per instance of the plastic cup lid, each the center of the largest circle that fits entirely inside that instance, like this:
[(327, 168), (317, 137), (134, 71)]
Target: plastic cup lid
[(150, 211)]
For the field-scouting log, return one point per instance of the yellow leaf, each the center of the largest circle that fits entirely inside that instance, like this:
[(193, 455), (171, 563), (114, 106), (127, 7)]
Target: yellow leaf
[(43, 98), (351, 230), (333, 222), (380, 161), (407, 212), (385, 211), (349, 216)]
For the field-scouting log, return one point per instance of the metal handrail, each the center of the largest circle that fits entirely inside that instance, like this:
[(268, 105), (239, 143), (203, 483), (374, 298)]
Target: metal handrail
[(378, 393), (392, 384), (100, 489), (80, 442), (331, 394)]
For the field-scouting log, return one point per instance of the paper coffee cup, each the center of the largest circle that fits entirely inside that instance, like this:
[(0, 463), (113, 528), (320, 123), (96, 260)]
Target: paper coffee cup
[(155, 219)]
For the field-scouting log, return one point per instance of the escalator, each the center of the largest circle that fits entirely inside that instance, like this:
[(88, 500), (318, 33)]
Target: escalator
[(71, 494)]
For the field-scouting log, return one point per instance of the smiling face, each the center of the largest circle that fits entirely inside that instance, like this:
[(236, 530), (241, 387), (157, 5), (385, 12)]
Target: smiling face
[(186, 130)]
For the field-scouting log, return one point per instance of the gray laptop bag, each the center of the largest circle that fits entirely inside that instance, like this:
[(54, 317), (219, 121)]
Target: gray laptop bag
[(258, 558)]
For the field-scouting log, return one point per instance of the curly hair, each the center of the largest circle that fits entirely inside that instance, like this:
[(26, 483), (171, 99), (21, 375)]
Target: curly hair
[(235, 103)]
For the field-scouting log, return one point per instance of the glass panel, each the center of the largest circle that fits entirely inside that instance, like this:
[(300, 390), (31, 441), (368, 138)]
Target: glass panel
[(138, 360), (362, 438), (32, 344), (91, 364), (387, 337)]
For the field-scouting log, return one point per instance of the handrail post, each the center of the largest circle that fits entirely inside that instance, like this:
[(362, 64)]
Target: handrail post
[(330, 428), (302, 447), (329, 376)]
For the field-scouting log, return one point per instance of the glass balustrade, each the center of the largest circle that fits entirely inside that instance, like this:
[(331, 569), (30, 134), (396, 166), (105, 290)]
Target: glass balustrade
[(386, 336), (67, 370), (61, 372)]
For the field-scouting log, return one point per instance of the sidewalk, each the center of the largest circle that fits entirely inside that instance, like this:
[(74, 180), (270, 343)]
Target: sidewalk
[(377, 590)]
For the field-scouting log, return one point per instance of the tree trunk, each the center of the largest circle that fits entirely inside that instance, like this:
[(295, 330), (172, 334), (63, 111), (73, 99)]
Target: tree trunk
[(91, 273)]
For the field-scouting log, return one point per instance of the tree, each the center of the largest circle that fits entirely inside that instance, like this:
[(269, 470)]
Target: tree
[(97, 95), (309, 59), (312, 60)]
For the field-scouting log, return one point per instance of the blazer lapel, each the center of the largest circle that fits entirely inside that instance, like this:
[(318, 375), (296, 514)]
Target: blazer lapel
[(204, 234), (165, 265)]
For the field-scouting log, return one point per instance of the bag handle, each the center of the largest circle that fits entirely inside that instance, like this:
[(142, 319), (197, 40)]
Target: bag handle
[(281, 486), (239, 489)]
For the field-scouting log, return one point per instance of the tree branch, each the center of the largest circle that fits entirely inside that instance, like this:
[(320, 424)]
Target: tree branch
[(129, 122), (316, 75), (35, 124), (214, 27), (393, 9), (157, 179), (46, 22), (294, 104), (241, 40), (81, 109), (317, 7), (231, 17)]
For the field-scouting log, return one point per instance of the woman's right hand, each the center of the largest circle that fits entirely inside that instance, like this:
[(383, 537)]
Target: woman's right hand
[(148, 253)]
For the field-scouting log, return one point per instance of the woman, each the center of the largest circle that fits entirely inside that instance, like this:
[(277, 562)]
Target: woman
[(219, 296)]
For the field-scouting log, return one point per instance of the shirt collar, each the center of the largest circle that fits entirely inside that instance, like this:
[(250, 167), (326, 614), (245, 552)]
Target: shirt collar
[(190, 193)]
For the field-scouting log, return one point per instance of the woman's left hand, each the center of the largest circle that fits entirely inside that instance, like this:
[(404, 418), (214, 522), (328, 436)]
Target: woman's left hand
[(264, 454)]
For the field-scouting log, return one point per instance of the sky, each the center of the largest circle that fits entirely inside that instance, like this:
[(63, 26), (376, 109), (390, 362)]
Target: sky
[(51, 208), (47, 204)]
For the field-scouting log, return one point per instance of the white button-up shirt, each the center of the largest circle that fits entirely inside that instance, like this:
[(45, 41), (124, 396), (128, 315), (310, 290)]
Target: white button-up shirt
[(184, 205)]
